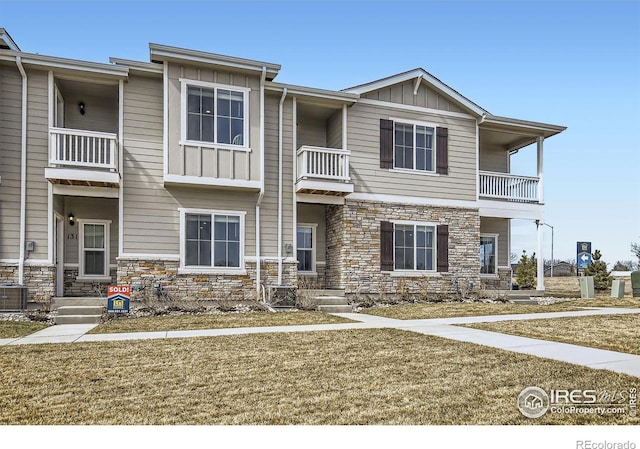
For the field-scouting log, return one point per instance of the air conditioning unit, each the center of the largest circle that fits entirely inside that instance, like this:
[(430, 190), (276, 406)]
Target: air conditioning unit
[(13, 297), (282, 296)]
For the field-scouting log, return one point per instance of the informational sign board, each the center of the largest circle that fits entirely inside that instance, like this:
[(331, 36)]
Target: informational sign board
[(583, 255), (118, 297)]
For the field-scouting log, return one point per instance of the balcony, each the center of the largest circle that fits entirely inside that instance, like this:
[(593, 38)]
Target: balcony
[(79, 157), (504, 186), (323, 171)]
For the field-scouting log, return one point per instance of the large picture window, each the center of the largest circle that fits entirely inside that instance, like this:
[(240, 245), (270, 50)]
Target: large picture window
[(212, 240), (414, 247), (414, 147), (214, 114)]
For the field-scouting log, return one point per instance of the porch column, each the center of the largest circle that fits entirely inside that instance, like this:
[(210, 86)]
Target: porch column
[(540, 170), (540, 258)]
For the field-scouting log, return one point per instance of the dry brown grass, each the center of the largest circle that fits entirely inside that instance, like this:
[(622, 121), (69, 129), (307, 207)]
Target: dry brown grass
[(213, 321), (452, 310), (611, 332), (569, 286), (17, 329), (339, 377)]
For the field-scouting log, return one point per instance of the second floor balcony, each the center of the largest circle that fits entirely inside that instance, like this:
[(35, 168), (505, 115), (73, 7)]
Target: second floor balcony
[(80, 157), (323, 171), (508, 187)]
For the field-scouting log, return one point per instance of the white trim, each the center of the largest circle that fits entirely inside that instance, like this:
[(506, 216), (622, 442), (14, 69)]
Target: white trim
[(211, 270), (217, 146), (508, 209), (207, 181), (294, 165), (413, 273), (314, 232), (399, 199), (94, 278), (90, 191), (420, 109), (77, 174), (329, 186), (495, 251), (73, 64), (147, 256), (184, 84), (271, 259), (51, 91), (38, 262), (10, 261), (318, 199), (23, 169), (50, 222), (121, 166), (165, 117), (478, 161), (412, 171), (58, 258), (107, 246)]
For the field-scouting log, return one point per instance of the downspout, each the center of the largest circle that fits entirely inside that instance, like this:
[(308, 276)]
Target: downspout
[(261, 194), (280, 118), (23, 172)]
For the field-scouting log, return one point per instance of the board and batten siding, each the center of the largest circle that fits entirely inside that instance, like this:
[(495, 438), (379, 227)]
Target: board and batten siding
[(425, 97), (10, 153), (212, 162), (364, 142), (37, 223), (498, 226)]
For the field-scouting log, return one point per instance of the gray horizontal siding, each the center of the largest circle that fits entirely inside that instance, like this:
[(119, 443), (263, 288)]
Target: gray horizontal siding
[(494, 159), (364, 142)]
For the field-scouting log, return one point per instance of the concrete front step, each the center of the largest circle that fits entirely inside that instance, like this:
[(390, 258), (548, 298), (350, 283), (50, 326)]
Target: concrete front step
[(335, 309), (317, 292), (79, 314), (331, 300), (57, 302)]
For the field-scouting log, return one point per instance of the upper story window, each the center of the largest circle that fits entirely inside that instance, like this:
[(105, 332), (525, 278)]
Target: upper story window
[(414, 147), (214, 115)]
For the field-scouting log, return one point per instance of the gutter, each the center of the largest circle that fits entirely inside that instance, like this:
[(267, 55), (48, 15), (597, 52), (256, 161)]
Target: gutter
[(280, 118), (261, 194), (23, 173)]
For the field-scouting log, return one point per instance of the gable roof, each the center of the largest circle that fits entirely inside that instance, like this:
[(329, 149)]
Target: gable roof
[(6, 42), (419, 75)]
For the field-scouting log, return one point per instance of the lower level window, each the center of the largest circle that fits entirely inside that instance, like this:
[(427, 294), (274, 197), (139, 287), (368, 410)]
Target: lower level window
[(488, 254), (414, 247), (94, 249), (213, 240), (304, 237)]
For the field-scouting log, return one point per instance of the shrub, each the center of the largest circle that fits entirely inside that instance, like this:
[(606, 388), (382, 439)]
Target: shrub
[(598, 269), (526, 272)]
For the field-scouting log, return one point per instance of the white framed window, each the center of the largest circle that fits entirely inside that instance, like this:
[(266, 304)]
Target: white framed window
[(414, 246), (414, 146), (488, 253), (306, 247), (211, 241), (94, 240), (214, 115)]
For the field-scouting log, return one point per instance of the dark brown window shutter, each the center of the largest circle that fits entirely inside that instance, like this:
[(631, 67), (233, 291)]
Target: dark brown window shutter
[(443, 248), (386, 246), (442, 151), (386, 143)]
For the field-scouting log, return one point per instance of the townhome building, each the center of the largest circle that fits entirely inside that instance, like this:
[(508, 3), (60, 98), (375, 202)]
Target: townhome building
[(199, 175)]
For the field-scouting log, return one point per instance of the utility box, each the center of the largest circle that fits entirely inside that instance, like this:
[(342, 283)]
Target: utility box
[(586, 287), (635, 283), (617, 289)]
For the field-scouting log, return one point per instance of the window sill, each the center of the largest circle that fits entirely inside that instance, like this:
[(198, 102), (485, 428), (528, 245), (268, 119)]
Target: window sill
[(308, 273), (93, 279), (489, 276), (219, 146), (413, 274), (413, 172), (212, 271)]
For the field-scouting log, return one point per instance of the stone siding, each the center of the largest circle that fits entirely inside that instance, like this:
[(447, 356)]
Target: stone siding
[(148, 277), (353, 251), (75, 288), (502, 282), (39, 279)]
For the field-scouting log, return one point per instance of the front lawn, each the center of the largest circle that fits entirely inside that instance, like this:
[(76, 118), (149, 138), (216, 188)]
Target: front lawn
[(350, 377), (214, 321), (612, 332), (17, 329)]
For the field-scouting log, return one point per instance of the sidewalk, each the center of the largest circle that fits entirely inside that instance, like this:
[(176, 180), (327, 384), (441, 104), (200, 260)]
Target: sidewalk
[(439, 327)]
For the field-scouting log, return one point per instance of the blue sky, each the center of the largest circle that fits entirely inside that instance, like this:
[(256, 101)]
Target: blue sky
[(575, 64)]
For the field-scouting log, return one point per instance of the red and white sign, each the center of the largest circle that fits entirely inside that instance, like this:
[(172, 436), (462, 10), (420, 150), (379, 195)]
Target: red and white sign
[(124, 290)]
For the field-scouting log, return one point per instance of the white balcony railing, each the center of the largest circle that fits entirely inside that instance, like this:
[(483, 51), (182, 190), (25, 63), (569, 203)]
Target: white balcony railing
[(509, 187), (323, 163), (81, 148)]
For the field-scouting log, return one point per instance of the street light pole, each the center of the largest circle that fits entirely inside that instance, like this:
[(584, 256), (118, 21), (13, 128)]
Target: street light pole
[(547, 224)]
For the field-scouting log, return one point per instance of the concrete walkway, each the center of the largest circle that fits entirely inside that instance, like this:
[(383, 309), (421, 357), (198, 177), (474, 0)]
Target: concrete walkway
[(439, 327)]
